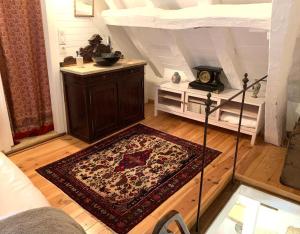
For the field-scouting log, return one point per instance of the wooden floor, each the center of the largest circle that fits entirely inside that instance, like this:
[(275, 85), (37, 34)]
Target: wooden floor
[(259, 165)]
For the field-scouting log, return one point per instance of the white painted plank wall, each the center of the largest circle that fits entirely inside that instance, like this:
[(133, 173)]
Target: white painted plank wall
[(6, 140), (77, 30)]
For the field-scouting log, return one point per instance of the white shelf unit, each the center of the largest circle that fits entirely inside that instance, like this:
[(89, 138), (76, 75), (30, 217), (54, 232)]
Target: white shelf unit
[(180, 100)]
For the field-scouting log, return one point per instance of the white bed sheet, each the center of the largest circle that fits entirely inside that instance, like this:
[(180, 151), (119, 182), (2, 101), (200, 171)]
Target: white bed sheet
[(17, 193)]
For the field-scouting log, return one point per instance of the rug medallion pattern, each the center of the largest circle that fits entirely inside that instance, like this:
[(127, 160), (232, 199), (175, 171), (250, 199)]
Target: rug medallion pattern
[(124, 178)]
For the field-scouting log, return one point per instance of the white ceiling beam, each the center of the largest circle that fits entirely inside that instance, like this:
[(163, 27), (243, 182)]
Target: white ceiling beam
[(228, 57), (284, 30), (204, 15), (150, 3), (165, 52), (115, 4), (133, 33)]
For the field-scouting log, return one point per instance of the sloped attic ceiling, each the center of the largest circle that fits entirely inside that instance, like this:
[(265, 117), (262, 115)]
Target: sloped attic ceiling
[(237, 50)]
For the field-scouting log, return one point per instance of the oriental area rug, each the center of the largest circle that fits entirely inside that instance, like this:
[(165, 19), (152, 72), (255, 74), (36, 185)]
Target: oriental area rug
[(125, 177)]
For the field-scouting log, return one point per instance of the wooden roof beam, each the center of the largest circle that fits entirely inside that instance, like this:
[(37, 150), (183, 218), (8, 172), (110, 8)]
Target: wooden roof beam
[(115, 4), (283, 34), (204, 15), (228, 57), (131, 32)]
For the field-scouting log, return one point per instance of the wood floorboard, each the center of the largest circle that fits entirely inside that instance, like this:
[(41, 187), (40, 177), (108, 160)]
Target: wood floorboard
[(259, 166)]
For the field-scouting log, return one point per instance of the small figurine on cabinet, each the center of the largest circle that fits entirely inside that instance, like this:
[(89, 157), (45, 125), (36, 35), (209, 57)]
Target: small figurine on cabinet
[(94, 49), (176, 78), (256, 89)]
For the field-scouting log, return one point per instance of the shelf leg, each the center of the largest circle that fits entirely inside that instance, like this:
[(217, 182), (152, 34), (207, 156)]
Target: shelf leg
[(253, 139)]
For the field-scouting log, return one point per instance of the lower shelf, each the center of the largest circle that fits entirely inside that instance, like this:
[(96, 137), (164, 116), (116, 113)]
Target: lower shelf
[(234, 120), (169, 108), (211, 121)]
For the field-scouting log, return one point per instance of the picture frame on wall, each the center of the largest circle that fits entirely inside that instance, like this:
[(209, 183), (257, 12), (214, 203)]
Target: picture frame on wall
[(84, 8)]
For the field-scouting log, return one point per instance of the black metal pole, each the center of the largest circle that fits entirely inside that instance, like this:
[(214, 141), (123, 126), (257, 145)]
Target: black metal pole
[(245, 81), (208, 103)]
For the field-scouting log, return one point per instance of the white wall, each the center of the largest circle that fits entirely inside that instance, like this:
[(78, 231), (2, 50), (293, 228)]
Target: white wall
[(78, 30), (6, 140)]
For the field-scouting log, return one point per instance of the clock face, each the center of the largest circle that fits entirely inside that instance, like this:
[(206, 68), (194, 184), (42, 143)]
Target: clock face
[(204, 77)]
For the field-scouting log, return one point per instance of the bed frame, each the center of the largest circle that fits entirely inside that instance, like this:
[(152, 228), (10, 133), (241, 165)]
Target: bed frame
[(209, 111), (162, 224)]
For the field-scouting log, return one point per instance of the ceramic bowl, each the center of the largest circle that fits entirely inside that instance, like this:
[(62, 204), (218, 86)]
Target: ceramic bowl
[(106, 59)]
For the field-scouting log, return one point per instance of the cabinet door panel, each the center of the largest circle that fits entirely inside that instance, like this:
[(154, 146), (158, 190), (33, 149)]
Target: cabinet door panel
[(76, 100), (131, 99), (104, 108)]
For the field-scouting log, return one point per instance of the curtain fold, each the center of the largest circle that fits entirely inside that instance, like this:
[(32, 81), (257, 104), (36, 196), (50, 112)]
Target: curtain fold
[(24, 67)]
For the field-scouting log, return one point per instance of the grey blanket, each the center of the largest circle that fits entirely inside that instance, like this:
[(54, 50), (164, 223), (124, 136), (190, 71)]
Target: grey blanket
[(40, 221)]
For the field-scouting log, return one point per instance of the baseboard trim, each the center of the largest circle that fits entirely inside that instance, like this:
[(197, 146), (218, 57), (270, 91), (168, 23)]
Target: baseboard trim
[(33, 145)]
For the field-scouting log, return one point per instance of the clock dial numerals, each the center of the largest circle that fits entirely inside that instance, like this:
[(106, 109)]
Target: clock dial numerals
[(204, 76)]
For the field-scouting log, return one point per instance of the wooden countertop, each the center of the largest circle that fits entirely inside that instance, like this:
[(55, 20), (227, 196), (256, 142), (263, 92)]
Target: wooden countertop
[(90, 68)]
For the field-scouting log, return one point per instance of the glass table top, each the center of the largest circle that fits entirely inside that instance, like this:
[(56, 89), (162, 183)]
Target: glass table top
[(250, 211)]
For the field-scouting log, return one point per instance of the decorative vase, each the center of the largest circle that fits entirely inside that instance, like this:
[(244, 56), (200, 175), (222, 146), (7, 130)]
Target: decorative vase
[(256, 89), (176, 78)]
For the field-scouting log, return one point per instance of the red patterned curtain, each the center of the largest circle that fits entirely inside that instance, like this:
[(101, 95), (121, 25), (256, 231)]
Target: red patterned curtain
[(24, 68)]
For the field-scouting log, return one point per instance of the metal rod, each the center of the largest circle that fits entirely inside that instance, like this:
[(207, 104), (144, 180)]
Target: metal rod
[(238, 134), (208, 111), (237, 94), (208, 103)]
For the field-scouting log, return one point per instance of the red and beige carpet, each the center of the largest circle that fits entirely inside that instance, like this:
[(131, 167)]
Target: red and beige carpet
[(122, 179)]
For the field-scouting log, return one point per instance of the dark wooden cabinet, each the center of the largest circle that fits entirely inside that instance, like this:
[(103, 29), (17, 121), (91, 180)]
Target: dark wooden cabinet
[(101, 103), (130, 107)]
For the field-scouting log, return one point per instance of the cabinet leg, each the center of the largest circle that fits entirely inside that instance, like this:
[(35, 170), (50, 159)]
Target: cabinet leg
[(155, 112)]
